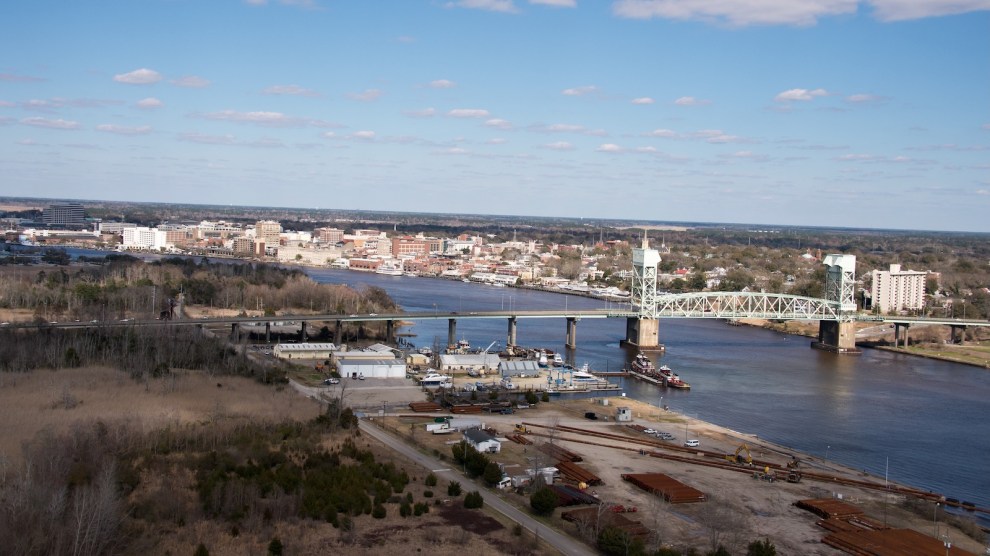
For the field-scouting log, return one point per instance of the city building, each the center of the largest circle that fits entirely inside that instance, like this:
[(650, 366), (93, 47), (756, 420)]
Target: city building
[(898, 290), (141, 237), (269, 231), (330, 236), (68, 215)]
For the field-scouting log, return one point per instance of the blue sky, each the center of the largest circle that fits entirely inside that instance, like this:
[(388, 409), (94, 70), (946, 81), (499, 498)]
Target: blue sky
[(863, 113)]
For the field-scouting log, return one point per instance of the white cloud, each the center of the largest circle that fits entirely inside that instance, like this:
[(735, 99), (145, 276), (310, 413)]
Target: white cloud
[(366, 95), (503, 6), (205, 139), (863, 98), (454, 151), (149, 103), (442, 84), (277, 119), (50, 123), (901, 10), (6, 103), (556, 3), (364, 135), (496, 141), (11, 77), (737, 13), (143, 76), (559, 146), (691, 101), (468, 113), (580, 91), (290, 90), (855, 157), (191, 82), (799, 94), (567, 128), (124, 130), (643, 100), (498, 123), (424, 113), (666, 133), (609, 148), (986, 126)]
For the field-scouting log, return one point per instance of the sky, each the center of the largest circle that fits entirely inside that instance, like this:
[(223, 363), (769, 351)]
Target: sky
[(856, 113)]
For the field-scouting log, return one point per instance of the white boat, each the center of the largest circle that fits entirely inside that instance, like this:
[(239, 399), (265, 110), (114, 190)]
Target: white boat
[(585, 375), (436, 380), (542, 359), (558, 361)]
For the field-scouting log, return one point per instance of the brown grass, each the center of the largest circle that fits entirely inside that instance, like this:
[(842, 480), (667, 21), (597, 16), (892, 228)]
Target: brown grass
[(35, 401)]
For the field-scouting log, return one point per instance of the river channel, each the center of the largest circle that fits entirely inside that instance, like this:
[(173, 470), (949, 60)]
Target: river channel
[(920, 421)]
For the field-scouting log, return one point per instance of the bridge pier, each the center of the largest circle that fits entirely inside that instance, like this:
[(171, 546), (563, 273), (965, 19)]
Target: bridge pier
[(510, 340), (338, 332), (901, 339), (268, 332), (234, 332), (571, 338), (957, 334), (451, 333), (302, 332), (389, 331), (643, 334), (837, 337)]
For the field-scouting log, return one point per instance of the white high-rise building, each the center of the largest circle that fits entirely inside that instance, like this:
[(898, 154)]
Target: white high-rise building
[(145, 238), (897, 290)]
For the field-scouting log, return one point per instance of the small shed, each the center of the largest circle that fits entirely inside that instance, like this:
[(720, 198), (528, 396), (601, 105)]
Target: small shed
[(623, 414), (525, 367), (482, 441)]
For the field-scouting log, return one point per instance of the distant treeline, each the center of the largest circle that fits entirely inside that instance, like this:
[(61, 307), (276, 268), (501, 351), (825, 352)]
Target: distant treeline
[(120, 286), (142, 352)]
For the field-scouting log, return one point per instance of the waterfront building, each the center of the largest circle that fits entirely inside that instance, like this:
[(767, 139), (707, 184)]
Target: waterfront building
[(115, 227), (408, 245), (898, 290), (269, 231), (331, 236), (141, 237), (67, 215)]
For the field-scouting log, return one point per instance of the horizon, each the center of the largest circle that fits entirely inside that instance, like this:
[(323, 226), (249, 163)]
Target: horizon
[(853, 114)]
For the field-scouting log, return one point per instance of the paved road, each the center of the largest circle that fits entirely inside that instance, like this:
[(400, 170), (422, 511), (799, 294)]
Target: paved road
[(563, 543)]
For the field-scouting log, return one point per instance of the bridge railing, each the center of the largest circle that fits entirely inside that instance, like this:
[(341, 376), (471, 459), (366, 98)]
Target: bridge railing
[(745, 305)]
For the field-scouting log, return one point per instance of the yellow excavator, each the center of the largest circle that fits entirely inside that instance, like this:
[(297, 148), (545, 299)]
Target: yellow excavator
[(736, 458)]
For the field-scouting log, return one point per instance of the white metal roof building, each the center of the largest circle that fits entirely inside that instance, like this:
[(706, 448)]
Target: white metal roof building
[(469, 361), (372, 368), (482, 441), (304, 351)]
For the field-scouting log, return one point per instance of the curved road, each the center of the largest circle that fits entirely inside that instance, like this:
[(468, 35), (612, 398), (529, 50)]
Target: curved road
[(563, 543)]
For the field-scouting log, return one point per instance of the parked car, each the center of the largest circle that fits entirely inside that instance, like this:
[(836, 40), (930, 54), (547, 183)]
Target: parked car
[(649, 431), (331, 380), (692, 443)]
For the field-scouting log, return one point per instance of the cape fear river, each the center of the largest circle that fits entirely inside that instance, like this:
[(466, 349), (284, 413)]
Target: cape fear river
[(924, 422)]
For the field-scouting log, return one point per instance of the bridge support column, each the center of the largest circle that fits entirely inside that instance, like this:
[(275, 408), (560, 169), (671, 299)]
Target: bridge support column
[(510, 339), (451, 333), (837, 337), (643, 334), (234, 332), (268, 332), (302, 332), (389, 331), (571, 339), (901, 338), (958, 334), (338, 332)]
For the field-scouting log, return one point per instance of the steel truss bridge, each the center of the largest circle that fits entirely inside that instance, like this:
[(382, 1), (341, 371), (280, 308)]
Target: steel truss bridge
[(737, 305)]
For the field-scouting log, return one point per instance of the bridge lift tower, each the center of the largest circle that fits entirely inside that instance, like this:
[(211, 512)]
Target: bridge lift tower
[(643, 331), (839, 335)]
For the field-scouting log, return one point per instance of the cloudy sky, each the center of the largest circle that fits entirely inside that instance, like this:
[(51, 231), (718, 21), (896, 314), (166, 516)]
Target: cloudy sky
[(863, 113)]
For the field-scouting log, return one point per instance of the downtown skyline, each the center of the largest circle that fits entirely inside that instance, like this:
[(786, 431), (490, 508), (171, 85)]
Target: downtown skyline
[(811, 112)]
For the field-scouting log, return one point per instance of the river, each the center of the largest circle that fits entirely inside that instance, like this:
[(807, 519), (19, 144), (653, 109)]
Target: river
[(920, 421)]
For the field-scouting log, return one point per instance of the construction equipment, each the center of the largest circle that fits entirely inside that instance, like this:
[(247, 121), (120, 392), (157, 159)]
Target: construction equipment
[(794, 477), (734, 458), (521, 429), (794, 463)]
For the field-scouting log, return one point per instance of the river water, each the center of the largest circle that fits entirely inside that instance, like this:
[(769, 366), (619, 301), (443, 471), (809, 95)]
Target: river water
[(923, 422)]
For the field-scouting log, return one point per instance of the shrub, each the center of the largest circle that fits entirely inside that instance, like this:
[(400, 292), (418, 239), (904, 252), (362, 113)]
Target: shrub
[(421, 508), (474, 500), (427, 494), (378, 512), (454, 489), (405, 510), (431, 480), (201, 550), (545, 398), (275, 547), (761, 548), (543, 501), (616, 542), (531, 398), (492, 474)]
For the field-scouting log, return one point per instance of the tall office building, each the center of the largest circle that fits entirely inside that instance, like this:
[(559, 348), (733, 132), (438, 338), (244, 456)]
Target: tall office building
[(69, 215), (897, 290), (268, 230)]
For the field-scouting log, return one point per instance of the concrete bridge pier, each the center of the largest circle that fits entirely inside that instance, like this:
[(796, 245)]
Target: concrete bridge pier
[(338, 332), (268, 332), (451, 333), (901, 339), (510, 339), (571, 339), (837, 337), (957, 334), (234, 332), (643, 334), (302, 332), (389, 331)]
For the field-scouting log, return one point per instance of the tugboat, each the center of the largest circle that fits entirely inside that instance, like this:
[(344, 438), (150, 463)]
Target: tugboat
[(671, 379), (642, 364)]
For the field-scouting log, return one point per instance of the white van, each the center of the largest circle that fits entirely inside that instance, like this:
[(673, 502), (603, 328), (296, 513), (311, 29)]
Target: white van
[(692, 443)]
